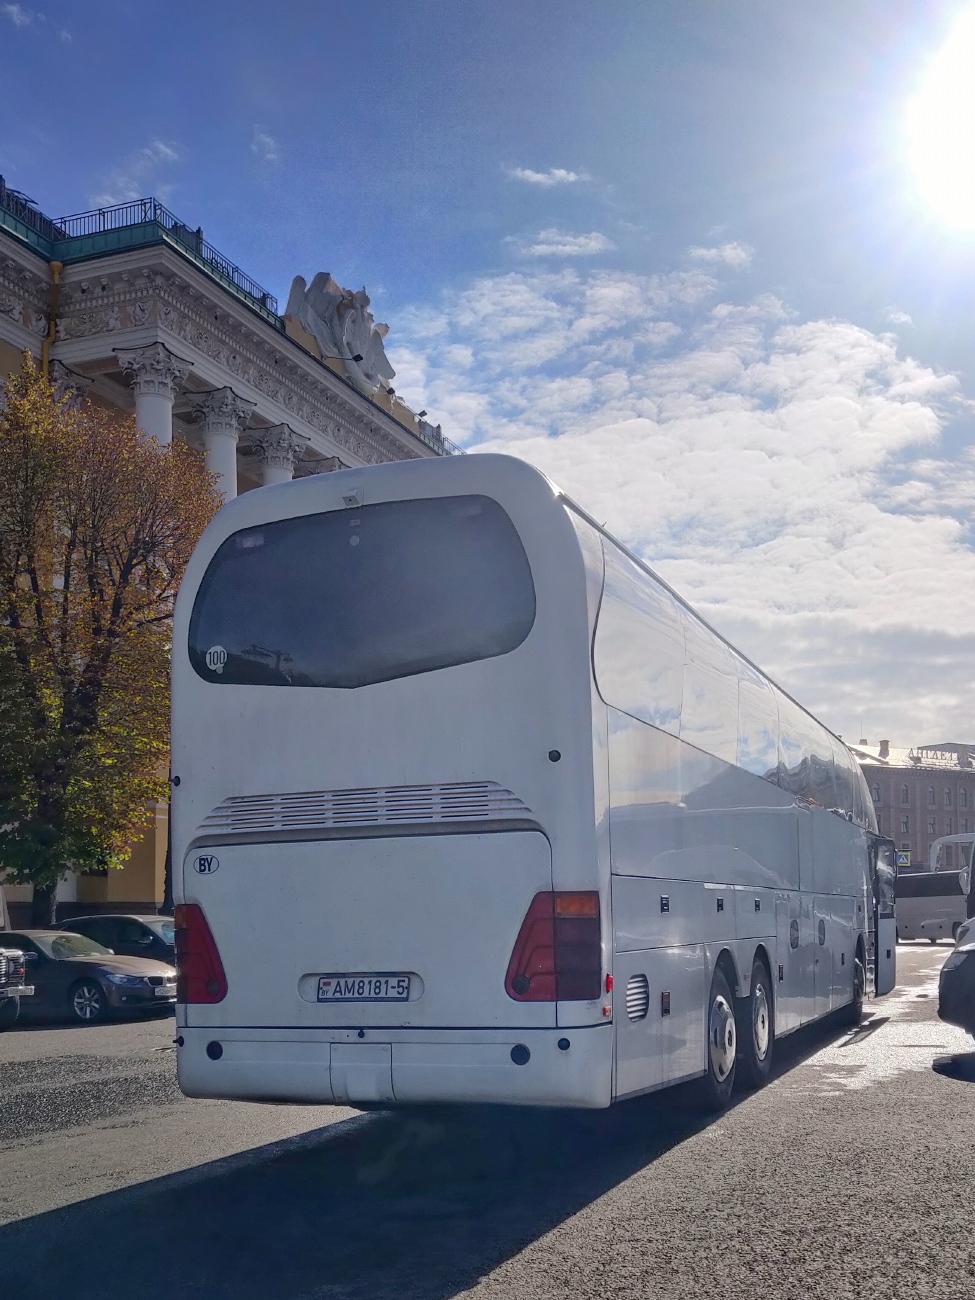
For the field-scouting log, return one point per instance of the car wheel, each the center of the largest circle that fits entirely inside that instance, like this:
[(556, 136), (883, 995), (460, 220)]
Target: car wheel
[(714, 1090), (756, 1029), (932, 941), (853, 1013), (87, 1002), (9, 1011)]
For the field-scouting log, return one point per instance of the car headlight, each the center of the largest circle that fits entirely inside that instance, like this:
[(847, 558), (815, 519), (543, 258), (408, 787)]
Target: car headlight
[(954, 960), (127, 981)]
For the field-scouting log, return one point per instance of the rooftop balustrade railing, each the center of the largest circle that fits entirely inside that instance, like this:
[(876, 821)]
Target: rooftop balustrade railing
[(138, 212), (24, 210)]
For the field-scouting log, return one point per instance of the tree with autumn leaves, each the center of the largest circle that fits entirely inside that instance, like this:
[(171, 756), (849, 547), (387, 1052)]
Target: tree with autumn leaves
[(97, 524)]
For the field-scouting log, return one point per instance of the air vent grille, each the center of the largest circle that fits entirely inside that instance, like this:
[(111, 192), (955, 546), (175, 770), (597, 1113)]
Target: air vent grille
[(637, 997), (382, 810)]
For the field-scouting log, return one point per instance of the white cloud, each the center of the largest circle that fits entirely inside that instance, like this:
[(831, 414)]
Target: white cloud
[(559, 243), (264, 146), (898, 317), (732, 254), (139, 176), (18, 15), (65, 36), (554, 176), (787, 476)]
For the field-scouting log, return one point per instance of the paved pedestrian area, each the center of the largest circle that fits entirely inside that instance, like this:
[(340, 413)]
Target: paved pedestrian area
[(850, 1175)]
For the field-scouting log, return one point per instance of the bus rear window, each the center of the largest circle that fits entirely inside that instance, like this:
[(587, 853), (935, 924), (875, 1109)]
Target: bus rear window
[(363, 595)]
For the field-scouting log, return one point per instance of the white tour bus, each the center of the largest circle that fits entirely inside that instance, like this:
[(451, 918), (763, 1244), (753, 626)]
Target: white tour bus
[(470, 806)]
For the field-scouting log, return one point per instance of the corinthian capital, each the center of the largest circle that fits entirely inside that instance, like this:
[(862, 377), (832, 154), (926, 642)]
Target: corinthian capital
[(224, 413), (154, 369), (280, 447)]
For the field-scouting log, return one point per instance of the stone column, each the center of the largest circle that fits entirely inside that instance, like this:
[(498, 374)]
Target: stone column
[(224, 415), (68, 385), (280, 449), (157, 375)]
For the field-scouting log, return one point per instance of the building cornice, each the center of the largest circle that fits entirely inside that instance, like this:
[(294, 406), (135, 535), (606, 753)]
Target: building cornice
[(147, 295)]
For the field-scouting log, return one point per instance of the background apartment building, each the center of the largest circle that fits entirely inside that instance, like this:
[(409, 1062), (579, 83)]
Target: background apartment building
[(921, 794)]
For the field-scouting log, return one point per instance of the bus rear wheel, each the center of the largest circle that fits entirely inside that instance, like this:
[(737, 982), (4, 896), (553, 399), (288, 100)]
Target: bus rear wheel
[(756, 1029), (853, 1012), (715, 1089)]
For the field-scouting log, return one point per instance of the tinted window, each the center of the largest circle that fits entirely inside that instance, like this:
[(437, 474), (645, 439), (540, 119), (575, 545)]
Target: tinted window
[(363, 595), (165, 929), (639, 650), (101, 931), (758, 724), (709, 703), (62, 947)]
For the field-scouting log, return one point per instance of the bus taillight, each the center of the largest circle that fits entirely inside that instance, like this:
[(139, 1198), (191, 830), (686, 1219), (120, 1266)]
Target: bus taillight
[(557, 956), (199, 970)]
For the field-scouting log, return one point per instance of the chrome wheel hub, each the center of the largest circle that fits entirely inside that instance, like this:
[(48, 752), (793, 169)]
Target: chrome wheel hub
[(721, 1038), (87, 1003), (760, 1021)]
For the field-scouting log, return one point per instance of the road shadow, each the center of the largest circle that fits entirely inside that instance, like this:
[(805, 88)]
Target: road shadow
[(39, 1020), (960, 1066), (409, 1205)]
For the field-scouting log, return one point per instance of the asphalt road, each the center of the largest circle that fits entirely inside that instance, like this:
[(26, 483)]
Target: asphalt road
[(851, 1175)]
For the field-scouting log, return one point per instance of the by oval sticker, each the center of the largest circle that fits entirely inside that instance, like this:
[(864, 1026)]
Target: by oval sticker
[(206, 864), (216, 658)]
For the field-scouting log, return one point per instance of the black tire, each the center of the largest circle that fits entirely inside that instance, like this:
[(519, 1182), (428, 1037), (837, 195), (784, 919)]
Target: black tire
[(9, 1011), (721, 1047), (87, 1003), (932, 941), (756, 1029), (852, 1014)]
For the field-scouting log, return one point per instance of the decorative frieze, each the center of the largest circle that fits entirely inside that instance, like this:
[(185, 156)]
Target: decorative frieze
[(125, 301)]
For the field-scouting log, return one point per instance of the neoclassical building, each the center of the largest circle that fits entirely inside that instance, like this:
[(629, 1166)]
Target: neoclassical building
[(133, 309)]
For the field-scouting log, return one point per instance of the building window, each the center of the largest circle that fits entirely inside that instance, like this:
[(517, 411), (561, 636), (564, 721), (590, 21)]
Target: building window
[(932, 829), (963, 798), (905, 794), (906, 846), (931, 798), (875, 792), (905, 825), (947, 798), (964, 825), (948, 830), (949, 857)]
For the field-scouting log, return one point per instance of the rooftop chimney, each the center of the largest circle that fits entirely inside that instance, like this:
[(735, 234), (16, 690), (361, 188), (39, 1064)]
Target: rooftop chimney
[(885, 749)]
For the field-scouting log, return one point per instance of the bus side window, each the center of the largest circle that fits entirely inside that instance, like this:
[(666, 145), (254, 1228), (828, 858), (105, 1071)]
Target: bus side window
[(758, 724), (639, 647)]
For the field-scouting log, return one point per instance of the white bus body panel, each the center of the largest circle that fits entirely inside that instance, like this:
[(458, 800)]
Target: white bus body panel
[(696, 860)]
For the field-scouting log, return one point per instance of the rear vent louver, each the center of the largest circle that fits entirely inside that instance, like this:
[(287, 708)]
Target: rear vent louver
[(382, 810), (637, 997)]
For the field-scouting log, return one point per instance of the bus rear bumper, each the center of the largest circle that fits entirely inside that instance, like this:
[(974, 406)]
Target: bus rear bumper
[(502, 1067)]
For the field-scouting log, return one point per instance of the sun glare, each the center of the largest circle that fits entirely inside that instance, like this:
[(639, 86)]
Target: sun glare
[(940, 123)]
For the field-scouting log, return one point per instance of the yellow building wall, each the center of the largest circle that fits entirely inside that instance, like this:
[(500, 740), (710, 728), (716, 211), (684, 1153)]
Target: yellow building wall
[(10, 359), (142, 880)]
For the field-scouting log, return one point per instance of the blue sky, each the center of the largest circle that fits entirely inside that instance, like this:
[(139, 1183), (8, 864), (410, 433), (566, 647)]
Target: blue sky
[(671, 252)]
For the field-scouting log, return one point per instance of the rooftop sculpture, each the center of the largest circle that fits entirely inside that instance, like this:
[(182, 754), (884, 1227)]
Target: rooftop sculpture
[(342, 325)]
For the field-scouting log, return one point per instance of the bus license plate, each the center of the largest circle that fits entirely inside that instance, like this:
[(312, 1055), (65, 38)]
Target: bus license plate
[(364, 988)]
